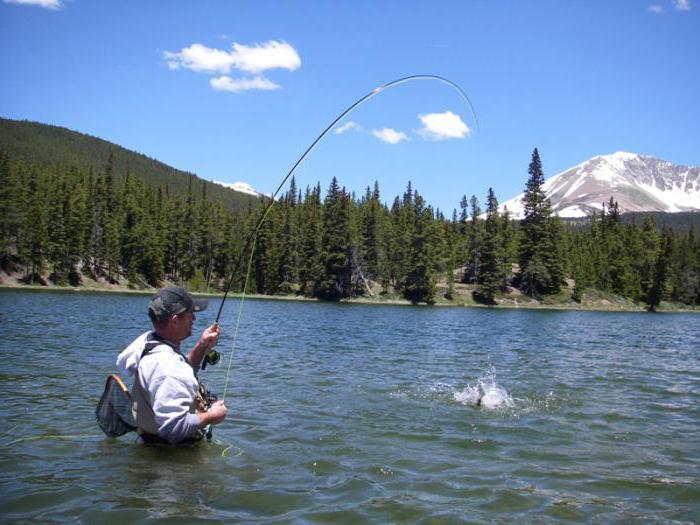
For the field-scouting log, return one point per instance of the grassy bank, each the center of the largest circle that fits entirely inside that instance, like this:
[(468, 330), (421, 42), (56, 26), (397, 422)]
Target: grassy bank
[(592, 300)]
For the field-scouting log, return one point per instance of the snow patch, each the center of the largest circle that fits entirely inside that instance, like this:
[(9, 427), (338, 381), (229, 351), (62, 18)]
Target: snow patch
[(576, 185), (625, 155), (676, 199), (242, 187)]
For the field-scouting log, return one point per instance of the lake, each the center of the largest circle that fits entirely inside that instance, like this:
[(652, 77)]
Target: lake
[(354, 413)]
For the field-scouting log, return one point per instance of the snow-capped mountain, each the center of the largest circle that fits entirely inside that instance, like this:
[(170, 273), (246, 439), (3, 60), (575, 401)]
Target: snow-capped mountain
[(636, 182), (242, 187)]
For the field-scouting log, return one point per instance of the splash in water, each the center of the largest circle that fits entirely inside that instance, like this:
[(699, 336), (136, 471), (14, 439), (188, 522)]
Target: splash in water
[(485, 394)]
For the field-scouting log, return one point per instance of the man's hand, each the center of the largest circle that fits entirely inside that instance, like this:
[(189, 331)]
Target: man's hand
[(216, 414), (210, 337), (206, 342)]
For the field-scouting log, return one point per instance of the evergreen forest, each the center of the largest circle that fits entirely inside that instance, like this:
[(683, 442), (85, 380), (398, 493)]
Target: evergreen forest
[(63, 221), (61, 148)]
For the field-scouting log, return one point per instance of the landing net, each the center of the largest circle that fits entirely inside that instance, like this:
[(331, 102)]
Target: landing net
[(113, 412)]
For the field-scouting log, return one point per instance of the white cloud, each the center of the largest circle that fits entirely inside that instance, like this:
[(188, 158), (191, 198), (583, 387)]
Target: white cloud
[(47, 4), (268, 55), (681, 5), (200, 58), (389, 135), (656, 9), (442, 126), (347, 127), (224, 83), (250, 59)]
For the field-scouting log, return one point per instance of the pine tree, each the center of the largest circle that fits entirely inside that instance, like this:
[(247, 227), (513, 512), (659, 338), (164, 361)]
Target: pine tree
[(228, 251), (110, 220), (490, 276), (33, 240), (509, 247), (336, 281), (419, 282), (187, 238), (131, 216), (463, 213), (371, 245), (474, 242), (11, 211), (95, 238), (396, 245), (555, 256), (615, 249), (650, 251), (289, 241), (684, 275), (631, 239), (661, 270), (206, 237), (451, 246), (265, 261), (539, 255), (577, 275), (168, 228), (74, 206), (310, 266), (56, 245)]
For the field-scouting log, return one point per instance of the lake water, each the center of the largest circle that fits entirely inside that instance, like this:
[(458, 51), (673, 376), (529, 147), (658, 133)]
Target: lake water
[(352, 413)]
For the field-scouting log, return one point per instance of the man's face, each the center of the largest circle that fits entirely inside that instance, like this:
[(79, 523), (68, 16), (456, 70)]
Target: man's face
[(183, 323)]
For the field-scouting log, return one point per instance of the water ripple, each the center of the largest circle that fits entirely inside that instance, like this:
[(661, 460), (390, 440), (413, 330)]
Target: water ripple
[(348, 413)]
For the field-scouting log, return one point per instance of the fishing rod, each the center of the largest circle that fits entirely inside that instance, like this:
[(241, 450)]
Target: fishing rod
[(213, 356), (251, 235)]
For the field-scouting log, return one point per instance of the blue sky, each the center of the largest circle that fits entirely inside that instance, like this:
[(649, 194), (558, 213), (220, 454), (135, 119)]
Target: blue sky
[(236, 91)]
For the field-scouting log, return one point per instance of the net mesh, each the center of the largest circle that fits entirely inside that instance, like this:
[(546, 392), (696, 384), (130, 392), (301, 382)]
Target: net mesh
[(113, 412)]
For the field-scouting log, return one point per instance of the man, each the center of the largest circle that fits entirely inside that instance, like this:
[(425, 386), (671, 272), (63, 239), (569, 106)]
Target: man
[(167, 404)]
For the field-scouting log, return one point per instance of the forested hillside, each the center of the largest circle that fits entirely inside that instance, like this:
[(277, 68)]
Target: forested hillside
[(65, 222), (60, 148), (679, 222)]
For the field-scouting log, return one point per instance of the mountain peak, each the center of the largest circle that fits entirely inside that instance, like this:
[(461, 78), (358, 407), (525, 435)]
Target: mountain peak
[(242, 187), (624, 155), (637, 182)]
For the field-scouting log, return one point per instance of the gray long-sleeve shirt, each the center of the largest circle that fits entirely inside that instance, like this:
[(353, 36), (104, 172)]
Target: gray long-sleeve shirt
[(169, 387)]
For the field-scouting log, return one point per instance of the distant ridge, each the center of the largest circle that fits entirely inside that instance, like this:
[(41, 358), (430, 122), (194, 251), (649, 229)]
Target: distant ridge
[(54, 145), (639, 183)]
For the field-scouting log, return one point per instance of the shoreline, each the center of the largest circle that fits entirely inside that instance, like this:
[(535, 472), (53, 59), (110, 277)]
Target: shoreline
[(507, 304)]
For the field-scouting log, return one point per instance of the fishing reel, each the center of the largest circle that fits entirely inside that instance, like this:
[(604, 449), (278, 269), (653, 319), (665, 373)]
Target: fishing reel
[(211, 358)]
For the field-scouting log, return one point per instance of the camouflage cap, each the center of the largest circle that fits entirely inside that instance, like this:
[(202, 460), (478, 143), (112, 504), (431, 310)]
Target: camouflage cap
[(174, 300)]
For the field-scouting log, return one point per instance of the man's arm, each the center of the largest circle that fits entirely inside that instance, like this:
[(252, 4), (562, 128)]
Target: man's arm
[(171, 401)]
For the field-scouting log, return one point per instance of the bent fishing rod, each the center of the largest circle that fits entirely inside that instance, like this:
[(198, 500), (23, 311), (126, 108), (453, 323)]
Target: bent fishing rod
[(251, 237), (252, 234)]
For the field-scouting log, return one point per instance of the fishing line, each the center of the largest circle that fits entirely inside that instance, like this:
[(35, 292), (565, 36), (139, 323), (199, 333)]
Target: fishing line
[(250, 239), (227, 447), (8, 431), (238, 319), (351, 108)]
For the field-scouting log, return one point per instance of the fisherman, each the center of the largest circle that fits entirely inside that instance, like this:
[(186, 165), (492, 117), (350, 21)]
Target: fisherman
[(169, 405)]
